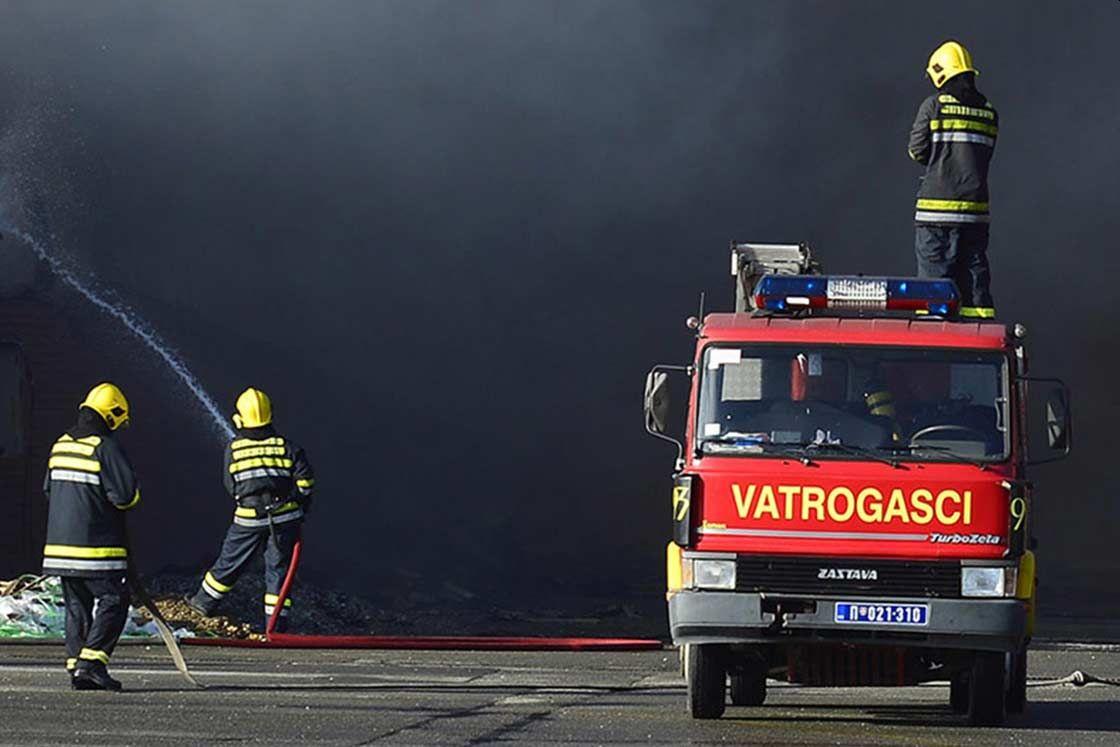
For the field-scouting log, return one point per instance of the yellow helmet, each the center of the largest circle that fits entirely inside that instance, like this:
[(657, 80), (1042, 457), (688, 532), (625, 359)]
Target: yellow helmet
[(950, 59), (254, 409), (108, 401)]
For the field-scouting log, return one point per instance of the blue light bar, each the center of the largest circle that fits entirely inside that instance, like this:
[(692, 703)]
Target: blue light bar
[(853, 292)]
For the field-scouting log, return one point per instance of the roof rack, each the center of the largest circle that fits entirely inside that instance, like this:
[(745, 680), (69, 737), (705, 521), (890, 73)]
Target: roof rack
[(750, 262)]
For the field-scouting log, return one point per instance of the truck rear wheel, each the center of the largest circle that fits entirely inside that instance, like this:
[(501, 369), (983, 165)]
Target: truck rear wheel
[(1017, 687), (958, 693), (706, 674), (748, 683), (987, 691)]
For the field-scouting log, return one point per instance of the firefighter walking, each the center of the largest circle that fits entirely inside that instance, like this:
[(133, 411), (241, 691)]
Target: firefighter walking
[(954, 137), (90, 485), (272, 483)]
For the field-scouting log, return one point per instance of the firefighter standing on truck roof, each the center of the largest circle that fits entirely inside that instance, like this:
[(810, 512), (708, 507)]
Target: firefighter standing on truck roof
[(954, 136), (271, 480), (89, 485)]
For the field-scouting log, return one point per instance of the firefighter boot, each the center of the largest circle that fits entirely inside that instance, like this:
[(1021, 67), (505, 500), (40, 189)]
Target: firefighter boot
[(72, 675), (201, 602), (93, 675)]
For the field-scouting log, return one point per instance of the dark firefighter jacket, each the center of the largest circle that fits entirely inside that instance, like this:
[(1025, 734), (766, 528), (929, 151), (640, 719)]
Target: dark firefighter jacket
[(264, 469), (954, 136), (89, 485)]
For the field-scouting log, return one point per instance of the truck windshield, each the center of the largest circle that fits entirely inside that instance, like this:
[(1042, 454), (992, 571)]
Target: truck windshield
[(918, 404)]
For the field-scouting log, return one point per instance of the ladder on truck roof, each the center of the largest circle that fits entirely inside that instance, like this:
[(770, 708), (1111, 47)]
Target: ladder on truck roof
[(749, 262)]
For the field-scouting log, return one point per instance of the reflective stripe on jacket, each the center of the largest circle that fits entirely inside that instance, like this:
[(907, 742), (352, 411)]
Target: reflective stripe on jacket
[(262, 464), (955, 142), (89, 485)]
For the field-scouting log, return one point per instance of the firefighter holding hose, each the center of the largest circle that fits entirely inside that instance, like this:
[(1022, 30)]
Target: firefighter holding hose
[(90, 485), (272, 482)]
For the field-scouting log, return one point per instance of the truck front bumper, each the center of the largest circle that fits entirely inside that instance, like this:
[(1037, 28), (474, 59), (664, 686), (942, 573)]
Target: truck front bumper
[(734, 617)]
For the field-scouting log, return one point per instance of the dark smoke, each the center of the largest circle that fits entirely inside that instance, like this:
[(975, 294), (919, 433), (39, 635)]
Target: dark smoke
[(450, 237)]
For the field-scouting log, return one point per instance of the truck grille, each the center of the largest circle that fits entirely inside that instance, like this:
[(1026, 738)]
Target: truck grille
[(902, 578)]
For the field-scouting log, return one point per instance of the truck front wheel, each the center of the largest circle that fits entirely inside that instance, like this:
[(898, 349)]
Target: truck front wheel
[(987, 690), (706, 673), (1017, 689)]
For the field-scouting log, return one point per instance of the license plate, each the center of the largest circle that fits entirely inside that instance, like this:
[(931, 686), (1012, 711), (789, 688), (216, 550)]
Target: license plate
[(863, 613), (857, 291)]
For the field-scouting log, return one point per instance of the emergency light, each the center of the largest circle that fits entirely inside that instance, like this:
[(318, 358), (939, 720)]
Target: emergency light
[(856, 293)]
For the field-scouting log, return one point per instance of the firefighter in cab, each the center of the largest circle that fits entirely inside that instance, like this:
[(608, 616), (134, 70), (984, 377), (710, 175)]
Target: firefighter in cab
[(954, 137), (271, 481), (90, 487)]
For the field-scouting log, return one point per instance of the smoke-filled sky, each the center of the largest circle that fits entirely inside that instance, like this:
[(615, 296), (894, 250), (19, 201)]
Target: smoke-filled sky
[(450, 237)]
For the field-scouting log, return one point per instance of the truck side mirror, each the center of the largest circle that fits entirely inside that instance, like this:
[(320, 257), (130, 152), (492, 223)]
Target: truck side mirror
[(657, 401), (1058, 421), (656, 405)]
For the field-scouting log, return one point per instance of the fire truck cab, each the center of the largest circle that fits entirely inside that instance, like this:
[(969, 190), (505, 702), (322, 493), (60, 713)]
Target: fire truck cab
[(850, 504)]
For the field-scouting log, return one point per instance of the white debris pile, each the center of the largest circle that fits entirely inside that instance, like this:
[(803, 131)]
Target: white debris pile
[(32, 607)]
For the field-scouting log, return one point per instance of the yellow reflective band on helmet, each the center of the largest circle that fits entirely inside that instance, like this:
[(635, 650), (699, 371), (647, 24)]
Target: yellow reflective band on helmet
[(968, 111), (257, 451), (878, 398), (963, 124), (215, 583), (251, 513), (77, 463), (244, 443), (92, 654), (305, 483), (272, 599), (73, 551), (954, 206), (72, 447), (133, 502), (247, 464), (978, 312)]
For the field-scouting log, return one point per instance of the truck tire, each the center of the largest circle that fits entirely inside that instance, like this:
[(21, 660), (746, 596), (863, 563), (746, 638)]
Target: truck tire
[(987, 690), (958, 693), (707, 680), (1017, 685), (748, 683)]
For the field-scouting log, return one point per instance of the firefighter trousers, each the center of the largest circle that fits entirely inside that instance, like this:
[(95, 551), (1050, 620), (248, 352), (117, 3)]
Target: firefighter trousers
[(96, 611), (241, 545), (959, 253)]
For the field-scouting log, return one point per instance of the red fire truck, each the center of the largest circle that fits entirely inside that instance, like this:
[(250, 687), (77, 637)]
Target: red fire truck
[(850, 503)]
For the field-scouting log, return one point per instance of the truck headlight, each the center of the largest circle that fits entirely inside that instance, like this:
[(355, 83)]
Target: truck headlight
[(713, 574), (988, 581)]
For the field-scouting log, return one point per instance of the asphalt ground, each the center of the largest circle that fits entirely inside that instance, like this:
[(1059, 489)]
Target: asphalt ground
[(409, 697)]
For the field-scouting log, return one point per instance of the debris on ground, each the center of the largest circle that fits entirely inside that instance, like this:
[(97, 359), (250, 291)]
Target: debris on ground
[(178, 615), (406, 603), (33, 607)]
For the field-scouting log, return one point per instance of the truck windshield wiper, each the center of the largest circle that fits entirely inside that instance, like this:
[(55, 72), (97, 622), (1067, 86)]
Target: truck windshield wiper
[(804, 449), (947, 451), (847, 448)]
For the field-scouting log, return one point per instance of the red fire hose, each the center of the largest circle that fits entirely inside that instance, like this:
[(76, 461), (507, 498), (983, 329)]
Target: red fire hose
[(284, 588), (441, 643)]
